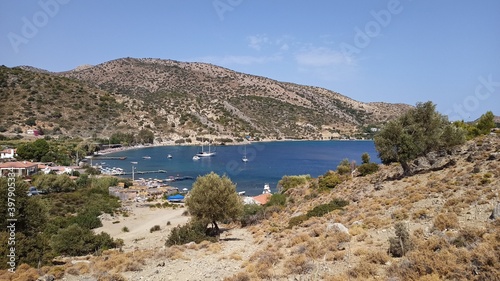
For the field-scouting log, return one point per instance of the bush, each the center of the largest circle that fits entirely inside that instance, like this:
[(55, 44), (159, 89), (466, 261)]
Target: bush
[(75, 241), (297, 220), (154, 228), (367, 168), (277, 199), (194, 231), (125, 229), (329, 180), (344, 167), (401, 244), (321, 210), (288, 182), (252, 214)]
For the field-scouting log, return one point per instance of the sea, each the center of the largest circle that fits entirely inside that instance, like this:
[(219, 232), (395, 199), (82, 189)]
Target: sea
[(267, 162)]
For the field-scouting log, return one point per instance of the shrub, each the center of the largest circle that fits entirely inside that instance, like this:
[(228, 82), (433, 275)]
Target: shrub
[(297, 220), (125, 229), (298, 265), (344, 167), (154, 228), (288, 182), (446, 221), (75, 240), (329, 180), (277, 199), (252, 214), (367, 168), (401, 244), (194, 231), (321, 210)]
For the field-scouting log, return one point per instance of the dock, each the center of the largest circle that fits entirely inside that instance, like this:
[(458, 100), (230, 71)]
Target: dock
[(145, 172), (109, 157)]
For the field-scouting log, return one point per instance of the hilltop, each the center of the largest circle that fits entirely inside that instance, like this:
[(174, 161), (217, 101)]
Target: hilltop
[(181, 100), (446, 210)]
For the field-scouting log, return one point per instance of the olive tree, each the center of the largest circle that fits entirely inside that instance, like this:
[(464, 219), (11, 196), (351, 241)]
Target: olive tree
[(214, 198), (417, 132)]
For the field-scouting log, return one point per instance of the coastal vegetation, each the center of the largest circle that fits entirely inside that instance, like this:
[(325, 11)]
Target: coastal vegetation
[(60, 222)]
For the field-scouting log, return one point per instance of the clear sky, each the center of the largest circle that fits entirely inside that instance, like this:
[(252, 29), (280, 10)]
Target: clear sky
[(398, 51)]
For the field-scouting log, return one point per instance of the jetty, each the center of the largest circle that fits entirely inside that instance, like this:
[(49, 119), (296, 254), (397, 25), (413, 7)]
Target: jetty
[(145, 172), (109, 157)]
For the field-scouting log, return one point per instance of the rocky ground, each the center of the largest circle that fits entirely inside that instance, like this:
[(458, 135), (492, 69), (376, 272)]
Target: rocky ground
[(448, 206)]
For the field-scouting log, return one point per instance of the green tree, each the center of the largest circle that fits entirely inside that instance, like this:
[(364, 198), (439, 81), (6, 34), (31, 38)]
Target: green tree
[(365, 158), (486, 122), (145, 136), (344, 167), (417, 132), (214, 198), (34, 151)]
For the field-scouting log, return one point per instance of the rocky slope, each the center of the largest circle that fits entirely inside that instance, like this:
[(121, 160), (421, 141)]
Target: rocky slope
[(180, 99), (228, 101), (453, 231)]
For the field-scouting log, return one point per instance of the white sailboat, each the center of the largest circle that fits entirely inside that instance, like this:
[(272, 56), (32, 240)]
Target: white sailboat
[(245, 159), (204, 153)]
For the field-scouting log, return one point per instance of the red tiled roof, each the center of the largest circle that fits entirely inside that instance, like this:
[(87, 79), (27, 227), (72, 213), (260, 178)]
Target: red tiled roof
[(263, 198), (17, 165)]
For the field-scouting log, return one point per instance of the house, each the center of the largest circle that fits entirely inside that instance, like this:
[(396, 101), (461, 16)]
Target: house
[(9, 153), (21, 169), (34, 132)]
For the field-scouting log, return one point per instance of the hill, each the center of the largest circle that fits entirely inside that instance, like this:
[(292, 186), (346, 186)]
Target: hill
[(185, 100), (440, 219)]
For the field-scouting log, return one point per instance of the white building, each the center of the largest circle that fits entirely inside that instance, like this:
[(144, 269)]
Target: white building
[(8, 153)]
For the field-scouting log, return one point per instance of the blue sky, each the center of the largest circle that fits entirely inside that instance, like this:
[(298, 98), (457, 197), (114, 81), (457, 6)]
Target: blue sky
[(398, 51)]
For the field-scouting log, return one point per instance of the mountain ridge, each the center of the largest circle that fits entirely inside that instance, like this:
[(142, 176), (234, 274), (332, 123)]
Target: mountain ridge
[(190, 99)]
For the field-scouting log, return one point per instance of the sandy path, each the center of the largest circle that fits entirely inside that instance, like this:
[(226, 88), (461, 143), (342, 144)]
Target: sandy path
[(139, 222)]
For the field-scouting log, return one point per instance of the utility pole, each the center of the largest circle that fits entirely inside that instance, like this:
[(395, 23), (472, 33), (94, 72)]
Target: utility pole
[(133, 168)]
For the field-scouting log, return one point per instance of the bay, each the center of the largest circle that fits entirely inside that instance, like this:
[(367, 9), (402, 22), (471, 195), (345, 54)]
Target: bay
[(267, 162)]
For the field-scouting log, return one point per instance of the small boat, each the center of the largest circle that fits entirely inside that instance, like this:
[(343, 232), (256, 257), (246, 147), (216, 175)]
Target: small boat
[(169, 156), (146, 157), (267, 189), (245, 159), (196, 157)]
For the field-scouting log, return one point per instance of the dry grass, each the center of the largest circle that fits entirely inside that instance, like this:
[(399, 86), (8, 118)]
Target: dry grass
[(363, 270), (298, 265), (240, 276), (23, 273), (446, 221)]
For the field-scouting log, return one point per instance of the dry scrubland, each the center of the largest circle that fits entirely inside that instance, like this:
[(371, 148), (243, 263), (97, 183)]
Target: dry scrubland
[(450, 237)]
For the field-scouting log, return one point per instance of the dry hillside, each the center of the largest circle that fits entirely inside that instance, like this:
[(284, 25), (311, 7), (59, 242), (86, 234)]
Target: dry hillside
[(179, 100), (446, 208)]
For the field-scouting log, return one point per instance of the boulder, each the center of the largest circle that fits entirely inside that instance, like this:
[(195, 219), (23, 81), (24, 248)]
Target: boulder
[(337, 227), (495, 214), (46, 277)]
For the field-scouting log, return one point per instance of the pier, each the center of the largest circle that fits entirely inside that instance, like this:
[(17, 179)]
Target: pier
[(109, 158), (144, 172)]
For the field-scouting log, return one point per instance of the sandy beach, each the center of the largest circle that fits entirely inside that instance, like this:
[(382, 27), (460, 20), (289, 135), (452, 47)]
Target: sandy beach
[(141, 218)]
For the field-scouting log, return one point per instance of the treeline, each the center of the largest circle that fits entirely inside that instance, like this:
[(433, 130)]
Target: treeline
[(144, 136), (59, 223)]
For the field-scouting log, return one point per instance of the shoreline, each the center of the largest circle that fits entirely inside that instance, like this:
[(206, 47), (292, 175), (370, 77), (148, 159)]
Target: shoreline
[(127, 148)]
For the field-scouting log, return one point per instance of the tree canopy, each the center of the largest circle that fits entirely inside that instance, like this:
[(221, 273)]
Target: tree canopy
[(214, 198), (417, 132)]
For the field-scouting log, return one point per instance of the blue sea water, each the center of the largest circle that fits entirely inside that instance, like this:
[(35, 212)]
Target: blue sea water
[(268, 161)]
